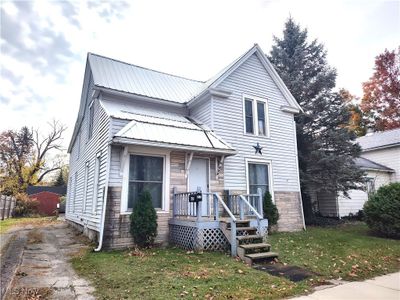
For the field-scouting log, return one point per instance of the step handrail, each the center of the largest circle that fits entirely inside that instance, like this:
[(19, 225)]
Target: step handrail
[(217, 199), (259, 217)]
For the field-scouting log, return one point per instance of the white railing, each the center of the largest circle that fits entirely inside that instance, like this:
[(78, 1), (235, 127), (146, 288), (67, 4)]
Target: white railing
[(212, 207)]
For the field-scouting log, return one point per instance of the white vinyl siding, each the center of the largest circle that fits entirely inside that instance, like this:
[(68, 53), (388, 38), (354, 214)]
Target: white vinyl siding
[(389, 157), (251, 79), (84, 195), (96, 182), (85, 187), (359, 197)]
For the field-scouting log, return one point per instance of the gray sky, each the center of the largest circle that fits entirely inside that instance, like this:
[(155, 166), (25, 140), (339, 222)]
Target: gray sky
[(44, 43)]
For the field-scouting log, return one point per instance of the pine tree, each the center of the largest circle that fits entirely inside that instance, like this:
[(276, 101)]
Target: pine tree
[(60, 179), (325, 145), (270, 210)]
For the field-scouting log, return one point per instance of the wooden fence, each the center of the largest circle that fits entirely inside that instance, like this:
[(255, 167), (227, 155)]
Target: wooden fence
[(7, 204)]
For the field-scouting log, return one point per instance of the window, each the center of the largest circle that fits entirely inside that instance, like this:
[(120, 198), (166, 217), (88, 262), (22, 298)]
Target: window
[(91, 118), (78, 146), (96, 183), (248, 105), (258, 178), (85, 187), (261, 118), (145, 173), (370, 185), (256, 116)]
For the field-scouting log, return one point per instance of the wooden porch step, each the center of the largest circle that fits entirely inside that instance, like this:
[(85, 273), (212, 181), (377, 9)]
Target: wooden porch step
[(255, 246), (249, 237), (246, 228), (262, 255)]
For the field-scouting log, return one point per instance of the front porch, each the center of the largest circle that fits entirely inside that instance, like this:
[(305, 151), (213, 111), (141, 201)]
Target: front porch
[(215, 223)]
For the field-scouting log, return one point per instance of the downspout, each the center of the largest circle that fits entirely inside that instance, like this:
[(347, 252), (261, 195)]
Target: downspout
[(105, 192)]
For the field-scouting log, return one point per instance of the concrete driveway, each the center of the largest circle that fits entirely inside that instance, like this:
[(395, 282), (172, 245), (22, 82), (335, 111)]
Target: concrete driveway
[(35, 264)]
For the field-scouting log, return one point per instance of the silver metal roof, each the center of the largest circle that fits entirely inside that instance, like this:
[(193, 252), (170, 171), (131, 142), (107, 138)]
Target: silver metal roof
[(124, 77), (378, 140), (367, 164), (163, 129)]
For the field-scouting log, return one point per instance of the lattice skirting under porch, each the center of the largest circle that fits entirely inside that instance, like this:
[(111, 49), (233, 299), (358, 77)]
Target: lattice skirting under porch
[(193, 238)]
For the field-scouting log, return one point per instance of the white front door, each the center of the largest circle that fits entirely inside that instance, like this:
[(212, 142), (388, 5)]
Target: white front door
[(198, 178)]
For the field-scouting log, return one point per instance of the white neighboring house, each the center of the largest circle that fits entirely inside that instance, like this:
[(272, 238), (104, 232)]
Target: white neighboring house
[(380, 158), (142, 129)]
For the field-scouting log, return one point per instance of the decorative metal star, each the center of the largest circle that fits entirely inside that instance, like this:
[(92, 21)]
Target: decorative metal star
[(258, 148)]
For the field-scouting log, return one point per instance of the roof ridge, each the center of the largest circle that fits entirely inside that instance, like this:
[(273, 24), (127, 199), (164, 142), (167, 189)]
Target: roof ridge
[(145, 68), (378, 132)]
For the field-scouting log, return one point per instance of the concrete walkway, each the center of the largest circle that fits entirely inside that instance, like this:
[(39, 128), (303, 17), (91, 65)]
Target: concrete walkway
[(385, 287), (43, 269)]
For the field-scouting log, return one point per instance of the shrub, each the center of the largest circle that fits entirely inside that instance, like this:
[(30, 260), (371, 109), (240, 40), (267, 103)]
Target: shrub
[(382, 210), (25, 206), (144, 221), (270, 210)]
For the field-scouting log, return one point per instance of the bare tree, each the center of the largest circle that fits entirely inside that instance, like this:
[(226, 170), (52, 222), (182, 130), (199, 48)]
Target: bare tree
[(24, 156)]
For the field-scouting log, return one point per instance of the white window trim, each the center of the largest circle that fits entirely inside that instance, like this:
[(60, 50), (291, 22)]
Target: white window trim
[(145, 151), (255, 115), (267, 162), (90, 127)]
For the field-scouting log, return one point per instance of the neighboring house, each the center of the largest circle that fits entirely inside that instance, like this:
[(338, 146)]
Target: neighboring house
[(47, 196), (380, 159), (142, 129)]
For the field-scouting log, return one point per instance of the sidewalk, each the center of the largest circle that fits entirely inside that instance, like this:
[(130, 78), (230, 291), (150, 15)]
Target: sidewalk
[(385, 287)]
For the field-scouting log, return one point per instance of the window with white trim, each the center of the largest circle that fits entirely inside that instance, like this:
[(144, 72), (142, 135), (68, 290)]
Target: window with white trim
[(258, 177), (255, 116), (146, 173), (91, 119)]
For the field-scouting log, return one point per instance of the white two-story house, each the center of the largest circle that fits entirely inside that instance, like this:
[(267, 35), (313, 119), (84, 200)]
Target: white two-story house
[(140, 129)]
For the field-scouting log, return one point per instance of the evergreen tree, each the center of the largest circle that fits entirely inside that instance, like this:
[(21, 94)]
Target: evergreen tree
[(270, 210), (325, 145), (144, 221), (60, 179)]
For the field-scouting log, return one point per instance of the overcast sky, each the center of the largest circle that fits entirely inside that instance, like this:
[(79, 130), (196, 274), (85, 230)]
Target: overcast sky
[(44, 43)]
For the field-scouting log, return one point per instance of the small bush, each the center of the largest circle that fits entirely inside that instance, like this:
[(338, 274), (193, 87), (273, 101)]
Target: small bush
[(382, 210), (144, 221), (270, 210), (25, 206)]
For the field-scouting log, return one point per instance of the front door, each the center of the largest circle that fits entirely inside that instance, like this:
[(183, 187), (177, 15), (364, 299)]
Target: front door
[(198, 178)]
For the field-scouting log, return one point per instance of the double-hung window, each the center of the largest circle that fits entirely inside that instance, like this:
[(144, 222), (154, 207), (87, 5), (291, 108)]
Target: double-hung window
[(145, 174), (91, 120), (256, 116), (258, 177)]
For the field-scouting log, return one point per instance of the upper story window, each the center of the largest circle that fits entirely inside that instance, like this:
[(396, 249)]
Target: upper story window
[(91, 119), (256, 116)]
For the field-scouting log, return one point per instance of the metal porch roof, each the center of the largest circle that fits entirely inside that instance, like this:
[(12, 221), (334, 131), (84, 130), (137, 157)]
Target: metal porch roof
[(163, 129)]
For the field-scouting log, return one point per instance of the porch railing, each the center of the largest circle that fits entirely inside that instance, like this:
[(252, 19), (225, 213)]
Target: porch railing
[(238, 207), (213, 206)]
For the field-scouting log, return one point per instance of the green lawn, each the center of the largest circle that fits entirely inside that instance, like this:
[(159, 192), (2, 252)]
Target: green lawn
[(7, 224), (347, 252)]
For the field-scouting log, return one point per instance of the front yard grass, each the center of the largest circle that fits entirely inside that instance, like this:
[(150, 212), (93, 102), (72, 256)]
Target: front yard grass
[(7, 224), (346, 251)]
